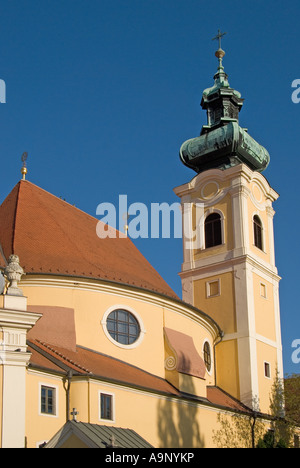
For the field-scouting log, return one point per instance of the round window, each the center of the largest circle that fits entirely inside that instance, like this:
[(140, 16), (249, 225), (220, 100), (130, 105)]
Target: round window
[(123, 327), (207, 356)]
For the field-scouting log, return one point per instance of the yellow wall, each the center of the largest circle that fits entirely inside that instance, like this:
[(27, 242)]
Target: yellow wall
[(227, 367), (89, 306), (163, 422), (266, 353), (221, 308), (40, 427), (264, 307), (252, 211)]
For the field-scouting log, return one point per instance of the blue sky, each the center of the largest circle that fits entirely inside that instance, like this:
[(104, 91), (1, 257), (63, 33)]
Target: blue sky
[(102, 93)]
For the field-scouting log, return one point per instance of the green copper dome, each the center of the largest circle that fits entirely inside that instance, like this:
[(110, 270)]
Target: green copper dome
[(222, 142)]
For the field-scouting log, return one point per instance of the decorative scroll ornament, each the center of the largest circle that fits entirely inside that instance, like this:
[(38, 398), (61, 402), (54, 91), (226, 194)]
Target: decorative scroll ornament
[(170, 363), (13, 273)]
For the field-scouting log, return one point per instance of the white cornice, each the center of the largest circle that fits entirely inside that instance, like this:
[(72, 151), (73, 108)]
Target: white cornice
[(223, 263), (18, 319)]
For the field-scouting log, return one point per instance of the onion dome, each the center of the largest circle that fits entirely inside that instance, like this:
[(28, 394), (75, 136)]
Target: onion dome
[(222, 142)]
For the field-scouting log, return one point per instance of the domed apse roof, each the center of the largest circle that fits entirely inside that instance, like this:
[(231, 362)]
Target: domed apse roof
[(53, 237)]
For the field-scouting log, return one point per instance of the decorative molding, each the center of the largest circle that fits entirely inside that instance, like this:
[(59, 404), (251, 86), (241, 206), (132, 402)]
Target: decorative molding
[(170, 363)]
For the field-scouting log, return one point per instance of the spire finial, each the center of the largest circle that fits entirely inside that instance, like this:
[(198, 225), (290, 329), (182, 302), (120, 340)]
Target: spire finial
[(24, 166), (220, 52)]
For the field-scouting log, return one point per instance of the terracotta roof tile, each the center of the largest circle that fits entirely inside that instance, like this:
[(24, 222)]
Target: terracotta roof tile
[(51, 236), (218, 397), (88, 362)]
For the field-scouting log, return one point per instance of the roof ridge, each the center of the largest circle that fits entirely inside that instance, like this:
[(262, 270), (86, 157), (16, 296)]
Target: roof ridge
[(60, 355), (69, 243), (15, 217), (64, 201)]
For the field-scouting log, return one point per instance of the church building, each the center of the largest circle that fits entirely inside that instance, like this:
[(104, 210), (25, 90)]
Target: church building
[(98, 351)]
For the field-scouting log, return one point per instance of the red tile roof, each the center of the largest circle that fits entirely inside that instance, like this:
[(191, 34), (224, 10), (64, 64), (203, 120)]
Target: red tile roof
[(52, 236), (218, 397), (89, 363)]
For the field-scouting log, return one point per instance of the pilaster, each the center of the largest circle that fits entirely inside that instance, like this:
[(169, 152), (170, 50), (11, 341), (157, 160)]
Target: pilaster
[(15, 322)]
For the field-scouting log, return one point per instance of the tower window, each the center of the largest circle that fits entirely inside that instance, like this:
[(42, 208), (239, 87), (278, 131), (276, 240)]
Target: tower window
[(263, 290), (267, 370), (258, 236), (213, 288), (213, 230)]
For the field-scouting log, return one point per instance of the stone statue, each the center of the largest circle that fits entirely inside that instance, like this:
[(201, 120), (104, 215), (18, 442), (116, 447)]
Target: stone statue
[(13, 273)]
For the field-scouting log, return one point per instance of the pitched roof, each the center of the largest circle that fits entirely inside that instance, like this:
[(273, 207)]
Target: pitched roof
[(90, 363), (87, 362), (51, 236), (219, 397), (96, 436)]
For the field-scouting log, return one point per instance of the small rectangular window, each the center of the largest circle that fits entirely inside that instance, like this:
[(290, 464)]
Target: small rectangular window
[(48, 400), (267, 370), (106, 406), (213, 288), (263, 290)]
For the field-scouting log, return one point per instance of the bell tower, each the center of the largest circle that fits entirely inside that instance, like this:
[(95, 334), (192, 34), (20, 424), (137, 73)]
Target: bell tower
[(229, 268)]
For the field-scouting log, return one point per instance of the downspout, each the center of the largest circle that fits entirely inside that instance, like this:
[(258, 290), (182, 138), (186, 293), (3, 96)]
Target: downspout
[(221, 335), (69, 378), (254, 415)]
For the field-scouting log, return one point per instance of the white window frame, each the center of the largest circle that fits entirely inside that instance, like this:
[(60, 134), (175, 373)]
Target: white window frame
[(112, 395), (269, 367), (208, 283), (136, 316), (263, 285), (54, 387), (202, 228)]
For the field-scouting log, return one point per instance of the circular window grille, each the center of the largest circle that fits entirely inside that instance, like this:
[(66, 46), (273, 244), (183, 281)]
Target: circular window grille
[(207, 356), (123, 327)]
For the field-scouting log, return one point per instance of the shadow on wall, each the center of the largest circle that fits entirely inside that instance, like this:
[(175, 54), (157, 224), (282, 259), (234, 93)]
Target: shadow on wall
[(178, 422)]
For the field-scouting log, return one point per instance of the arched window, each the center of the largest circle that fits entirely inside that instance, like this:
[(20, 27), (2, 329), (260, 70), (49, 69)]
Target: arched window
[(207, 356), (213, 230), (258, 232)]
